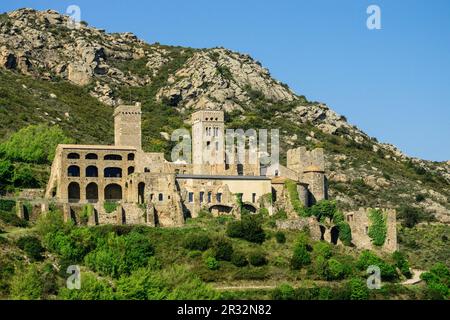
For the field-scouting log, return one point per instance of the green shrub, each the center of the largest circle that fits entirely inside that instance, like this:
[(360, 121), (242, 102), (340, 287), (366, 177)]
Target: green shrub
[(257, 258), (110, 206), (367, 258), (199, 242), (438, 281), (291, 187), (335, 270), (212, 263), (420, 197), (300, 257), (239, 259), (320, 266), (204, 214), (358, 289), (249, 228), (194, 254), (401, 263), (324, 209), (280, 237), (120, 255), (283, 292), (35, 143), (92, 288), (411, 216), (377, 229), (223, 249), (10, 217), (345, 233), (323, 249), (27, 284), (7, 205), (32, 247)]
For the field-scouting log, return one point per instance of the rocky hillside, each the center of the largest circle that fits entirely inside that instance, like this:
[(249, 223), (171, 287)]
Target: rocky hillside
[(58, 67)]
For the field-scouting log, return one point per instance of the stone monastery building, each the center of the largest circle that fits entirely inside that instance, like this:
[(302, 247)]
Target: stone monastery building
[(125, 185)]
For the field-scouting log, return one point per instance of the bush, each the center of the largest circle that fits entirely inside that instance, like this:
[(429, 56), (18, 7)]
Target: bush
[(92, 288), (223, 249), (110, 206), (280, 237), (199, 242), (324, 209), (35, 143), (32, 247), (420, 197), (358, 289), (368, 258), (239, 259), (7, 205), (11, 218), (212, 263), (120, 255), (335, 270), (345, 233), (257, 258), (401, 263), (438, 281), (300, 257), (283, 292), (27, 284), (410, 216), (249, 228), (323, 249)]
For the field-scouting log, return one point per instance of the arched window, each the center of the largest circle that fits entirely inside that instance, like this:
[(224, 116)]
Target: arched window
[(73, 155), (131, 156), (73, 171), (130, 170), (160, 197), (91, 171), (91, 156), (141, 189), (113, 192), (112, 157), (112, 172), (92, 192), (73, 192)]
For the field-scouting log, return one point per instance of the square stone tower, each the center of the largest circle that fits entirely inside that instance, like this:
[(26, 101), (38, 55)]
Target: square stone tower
[(310, 165), (127, 126), (208, 152)]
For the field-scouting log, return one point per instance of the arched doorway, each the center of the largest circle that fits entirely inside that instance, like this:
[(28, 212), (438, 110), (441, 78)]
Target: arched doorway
[(334, 235), (249, 208), (218, 210), (92, 192), (141, 189), (73, 192), (113, 192)]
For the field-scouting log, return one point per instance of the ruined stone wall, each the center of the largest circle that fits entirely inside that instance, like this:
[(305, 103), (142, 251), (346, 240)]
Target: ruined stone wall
[(359, 223)]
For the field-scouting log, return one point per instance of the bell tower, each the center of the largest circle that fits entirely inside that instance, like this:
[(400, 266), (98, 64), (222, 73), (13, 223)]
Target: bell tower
[(127, 126), (208, 155)]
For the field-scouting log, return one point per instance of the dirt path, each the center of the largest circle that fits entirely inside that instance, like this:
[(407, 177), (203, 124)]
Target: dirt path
[(415, 278)]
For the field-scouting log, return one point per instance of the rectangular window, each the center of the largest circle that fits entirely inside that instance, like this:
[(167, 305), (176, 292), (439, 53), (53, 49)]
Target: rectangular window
[(253, 197), (160, 197), (209, 197), (217, 145), (191, 197), (219, 197), (201, 196)]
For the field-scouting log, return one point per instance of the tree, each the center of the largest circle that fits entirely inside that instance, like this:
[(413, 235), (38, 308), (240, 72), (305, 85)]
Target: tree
[(35, 143), (26, 284), (300, 257), (358, 289), (248, 228)]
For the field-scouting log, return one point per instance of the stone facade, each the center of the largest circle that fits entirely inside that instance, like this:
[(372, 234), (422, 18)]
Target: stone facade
[(144, 188)]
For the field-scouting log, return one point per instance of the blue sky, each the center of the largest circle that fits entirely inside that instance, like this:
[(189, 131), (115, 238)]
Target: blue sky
[(393, 83)]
